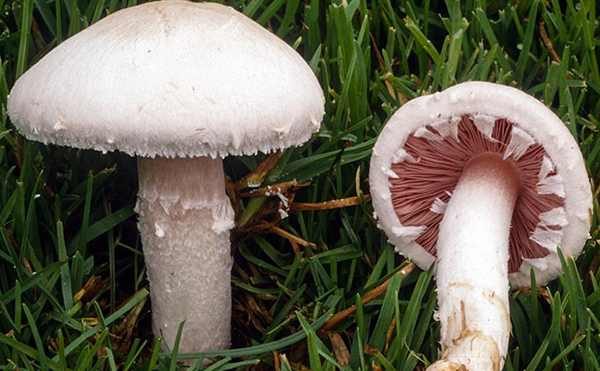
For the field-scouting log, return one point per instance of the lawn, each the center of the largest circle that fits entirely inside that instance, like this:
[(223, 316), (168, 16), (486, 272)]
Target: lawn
[(321, 289)]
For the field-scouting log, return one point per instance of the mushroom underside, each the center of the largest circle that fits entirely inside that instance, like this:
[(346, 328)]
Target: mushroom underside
[(481, 195), (426, 170)]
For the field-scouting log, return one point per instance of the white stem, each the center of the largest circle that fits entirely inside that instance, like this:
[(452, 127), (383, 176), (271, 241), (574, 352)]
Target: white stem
[(184, 220), (472, 267)]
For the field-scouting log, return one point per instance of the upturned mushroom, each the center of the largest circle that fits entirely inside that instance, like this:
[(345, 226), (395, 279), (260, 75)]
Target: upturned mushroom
[(180, 85), (487, 182)]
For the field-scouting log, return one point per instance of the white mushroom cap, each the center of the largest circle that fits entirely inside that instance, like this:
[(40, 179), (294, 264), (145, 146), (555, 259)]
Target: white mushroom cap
[(493, 100), (173, 79)]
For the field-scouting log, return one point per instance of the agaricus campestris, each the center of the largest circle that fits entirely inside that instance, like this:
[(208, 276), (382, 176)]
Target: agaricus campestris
[(488, 182), (180, 85)]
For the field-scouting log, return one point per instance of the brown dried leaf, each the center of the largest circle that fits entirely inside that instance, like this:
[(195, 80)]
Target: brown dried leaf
[(342, 355), (90, 289)]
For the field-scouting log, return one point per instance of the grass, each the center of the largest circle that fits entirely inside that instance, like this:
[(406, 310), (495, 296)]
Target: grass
[(73, 295)]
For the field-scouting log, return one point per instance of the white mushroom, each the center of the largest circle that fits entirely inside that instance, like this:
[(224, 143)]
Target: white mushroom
[(180, 85), (495, 184)]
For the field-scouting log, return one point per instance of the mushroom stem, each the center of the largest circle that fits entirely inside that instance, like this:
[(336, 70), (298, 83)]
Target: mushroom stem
[(184, 220), (472, 267)]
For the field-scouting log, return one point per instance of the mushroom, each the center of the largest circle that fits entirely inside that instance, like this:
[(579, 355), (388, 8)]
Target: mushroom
[(488, 181), (180, 85)]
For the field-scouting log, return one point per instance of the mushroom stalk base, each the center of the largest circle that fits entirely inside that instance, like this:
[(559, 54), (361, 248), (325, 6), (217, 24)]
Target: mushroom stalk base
[(184, 220), (472, 267)]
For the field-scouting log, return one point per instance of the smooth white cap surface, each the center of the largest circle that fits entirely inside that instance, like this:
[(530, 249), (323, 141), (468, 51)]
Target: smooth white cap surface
[(502, 102), (170, 78)]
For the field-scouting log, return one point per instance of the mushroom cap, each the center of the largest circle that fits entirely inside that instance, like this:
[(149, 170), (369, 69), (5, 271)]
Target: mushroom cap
[(496, 101), (173, 79)]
